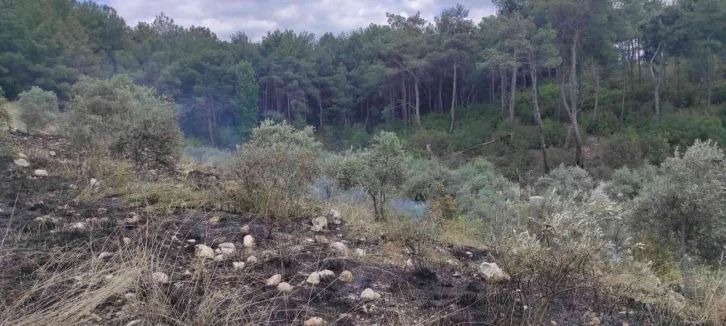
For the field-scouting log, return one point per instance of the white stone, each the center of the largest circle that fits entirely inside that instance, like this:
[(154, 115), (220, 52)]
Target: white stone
[(248, 241), (251, 259), (21, 162), (160, 277), (346, 277), (321, 239), (52, 153), (340, 248), (274, 280), (238, 265), (94, 183), (192, 241), (370, 295), (219, 258), (284, 287), (360, 252), (203, 251), (130, 296), (126, 240), (227, 248), (334, 215), (22, 155), (105, 255), (326, 273), (40, 173), (217, 251), (319, 223), (314, 321), (313, 278), (78, 226), (409, 263), (245, 229), (492, 273)]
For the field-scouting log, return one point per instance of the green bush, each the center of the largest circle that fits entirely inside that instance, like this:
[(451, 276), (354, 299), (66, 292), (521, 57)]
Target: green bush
[(275, 170), (555, 133), (605, 123), (439, 142), (480, 192), (428, 179), (686, 201), (627, 183), (380, 170), (623, 149), (570, 182), (38, 108), (117, 117)]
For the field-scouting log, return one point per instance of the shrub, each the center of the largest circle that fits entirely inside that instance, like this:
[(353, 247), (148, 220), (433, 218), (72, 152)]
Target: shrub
[(380, 170), (622, 149), (38, 108), (480, 192), (117, 117), (275, 170), (437, 141), (627, 183), (570, 182), (5, 120), (428, 179), (555, 133), (686, 200)]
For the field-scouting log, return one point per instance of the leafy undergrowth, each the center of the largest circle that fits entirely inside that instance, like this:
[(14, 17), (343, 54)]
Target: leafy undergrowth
[(53, 272)]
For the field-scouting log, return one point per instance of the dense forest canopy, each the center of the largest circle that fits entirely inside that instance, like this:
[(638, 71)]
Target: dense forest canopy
[(540, 73)]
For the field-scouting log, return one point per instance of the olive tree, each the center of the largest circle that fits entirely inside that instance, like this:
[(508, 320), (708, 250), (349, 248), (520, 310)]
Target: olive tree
[(38, 108), (117, 117), (686, 201)]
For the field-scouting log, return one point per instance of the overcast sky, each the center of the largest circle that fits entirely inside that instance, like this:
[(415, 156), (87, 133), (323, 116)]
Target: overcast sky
[(256, 17)]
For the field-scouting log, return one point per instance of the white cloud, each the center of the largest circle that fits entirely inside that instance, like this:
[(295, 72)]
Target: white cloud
[(256, 17)]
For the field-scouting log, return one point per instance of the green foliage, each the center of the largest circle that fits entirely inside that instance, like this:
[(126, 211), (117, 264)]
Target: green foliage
[(437, 141), (429, 179), (380, 170), (605, 123), (274, 171), (627, 183), (114, 116), (38, 108), (682, 130), (480, 192), (631, 149), (570, 182), (686, 200), (555, 133)]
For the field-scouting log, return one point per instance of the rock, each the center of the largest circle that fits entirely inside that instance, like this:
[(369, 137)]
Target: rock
[(346, 276), (202, 251), (314, 321), (192, 241), (274, 280), (245, 229), (335, 216), (52, 153), (23, 156), (313, 278), (214, 219), (409, 264), (135, 322), (319, 223), (130, 296), (79, 226), (218, 251), (326, 273), (370, 295), (126, 240), (340, 248), (360, 252), (21, 162), (284, 287), (105, 255), (492, 273), (321, 239), (536, 200), (227, 248), (251, 259), (102, 211), (160, 277), (219, 258), (676, 301), (249, 241), (40, 173), (94, 183), (132, 219), (238, 265)]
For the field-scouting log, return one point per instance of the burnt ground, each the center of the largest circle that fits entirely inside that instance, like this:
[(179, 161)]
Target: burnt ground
[(41, 215)]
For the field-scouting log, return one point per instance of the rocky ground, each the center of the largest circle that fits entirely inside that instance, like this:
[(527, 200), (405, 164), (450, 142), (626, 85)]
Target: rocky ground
[(110, 263)]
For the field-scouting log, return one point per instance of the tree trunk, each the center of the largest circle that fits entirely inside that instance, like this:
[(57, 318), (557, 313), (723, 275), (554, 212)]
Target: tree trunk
[(453, 102), (404, 103), (320, 107), (537, 115), (513, 94), (709, 83), (418, 102), (572, 108), (441, 91), (597, 92), (656, 84), (503, 86), (210, 129)]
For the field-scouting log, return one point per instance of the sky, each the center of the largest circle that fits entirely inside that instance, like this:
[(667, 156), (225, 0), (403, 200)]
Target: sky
[(256, 17)]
